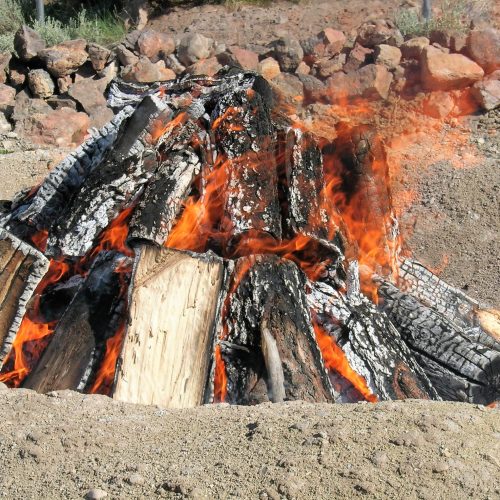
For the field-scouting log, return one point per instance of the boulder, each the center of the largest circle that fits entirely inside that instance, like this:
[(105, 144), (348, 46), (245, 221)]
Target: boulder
[(289, 88), (63, 127), (483, 47), (327, 67), (61, 101), (40, 83), (144, 71), (413, 48), (193, 47), (207, 67), (5, 126), (441, 71), (438, 104), (171, 62), (155, 45), (269, 68), (5, 58), (28, 43), (25, 105), (18, 73), (89, 92), (303, 69), (126, 56), (245, 58), (487, 93), (314, 89), (130, 41), (64, 83), (370, 82), (7, 99), (99, 56), (372, 33), (388, 55), (357, 57), (65, 58), (288, 52), (328, 43)]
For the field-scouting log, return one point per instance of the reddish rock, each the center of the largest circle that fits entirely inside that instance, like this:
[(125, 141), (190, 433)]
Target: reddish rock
[(371, 82), (387, 55), (194, 47), (269, 68), (5, 58), (40, 83), (303, 69), (7, 99), (89, 92), (357, 57), (126, 56), (483, 47), (379, 31), (64, 83), (99, 56), (18, 73), (245, 58), (442, 71), (155, 45), (327, 67), (207, 67), (65, 58), (27, 43), (438, 105), (487, 93), (62, 127), (144, 71), (413, 48), (288, 52), (289, 88), (333, 40), (60, 101)]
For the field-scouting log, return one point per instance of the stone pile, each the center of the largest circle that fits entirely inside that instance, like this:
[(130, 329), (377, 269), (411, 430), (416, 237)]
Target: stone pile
[(53, 95)]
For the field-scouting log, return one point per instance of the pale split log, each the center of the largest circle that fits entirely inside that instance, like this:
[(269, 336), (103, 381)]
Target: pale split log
[(168, 344), (114, 185), (21, 269), (245, 136), (463, 365), (271, 296), (163, 198), (88, 320), (372, 345)]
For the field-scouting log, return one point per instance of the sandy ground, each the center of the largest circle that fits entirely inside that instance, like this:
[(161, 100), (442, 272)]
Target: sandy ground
[(65, 444)]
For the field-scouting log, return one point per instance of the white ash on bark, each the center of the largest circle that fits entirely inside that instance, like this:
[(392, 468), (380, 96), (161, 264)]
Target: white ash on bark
[(21, 269), (371, 344), (270, 298), (88, 320), (463, 365)]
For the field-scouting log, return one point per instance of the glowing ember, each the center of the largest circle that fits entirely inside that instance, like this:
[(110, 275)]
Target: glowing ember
[(220, 380)]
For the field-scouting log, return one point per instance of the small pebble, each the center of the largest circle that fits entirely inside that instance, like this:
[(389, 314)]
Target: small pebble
[(95, 494), (136, 479), (440, 467)]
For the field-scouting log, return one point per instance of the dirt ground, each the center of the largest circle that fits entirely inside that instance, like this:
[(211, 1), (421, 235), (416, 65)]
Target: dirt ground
[(65, 444)]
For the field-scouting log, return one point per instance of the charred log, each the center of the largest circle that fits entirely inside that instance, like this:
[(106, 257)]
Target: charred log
[(89, 319), (21, 270), (462, 365), (372, 345), (167, 348), (268, 309)]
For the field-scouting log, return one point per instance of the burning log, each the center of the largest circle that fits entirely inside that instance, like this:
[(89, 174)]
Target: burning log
[(372, 345), (167, 348), (245, 135), (21, 270), (89, 319), (269, 348), (463, 365), (154, 216)]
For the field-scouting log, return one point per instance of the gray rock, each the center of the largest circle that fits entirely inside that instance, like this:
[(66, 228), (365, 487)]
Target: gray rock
[(99, 56), (194, 47), (27, 43), (288, 52), (126, 56), (40, 83)]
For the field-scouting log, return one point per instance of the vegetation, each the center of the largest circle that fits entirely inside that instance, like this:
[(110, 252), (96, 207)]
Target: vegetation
[(454, 16), (63, 22)]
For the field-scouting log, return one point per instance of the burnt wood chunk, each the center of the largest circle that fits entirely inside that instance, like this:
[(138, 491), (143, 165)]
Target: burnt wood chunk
[(113, 186), (371, 344), (245, 137), (462, 365), (155, 215), (21, 270), (84, 325), (270, 337), (168, 344)]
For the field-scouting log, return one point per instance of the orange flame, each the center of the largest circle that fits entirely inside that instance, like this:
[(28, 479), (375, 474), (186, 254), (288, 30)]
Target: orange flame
[(220, 378), (40, 240), (335, 360)]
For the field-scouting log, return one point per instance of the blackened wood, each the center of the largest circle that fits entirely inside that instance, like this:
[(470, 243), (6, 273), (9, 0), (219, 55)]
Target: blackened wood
[(371, 344), (445, 350), (84, 324), (245, 135), (21, 270), (114, 185), (154, 216), (169, 339), (272, 290)]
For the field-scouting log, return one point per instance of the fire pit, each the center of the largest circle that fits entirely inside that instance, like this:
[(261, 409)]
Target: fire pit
[(203, 248)]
